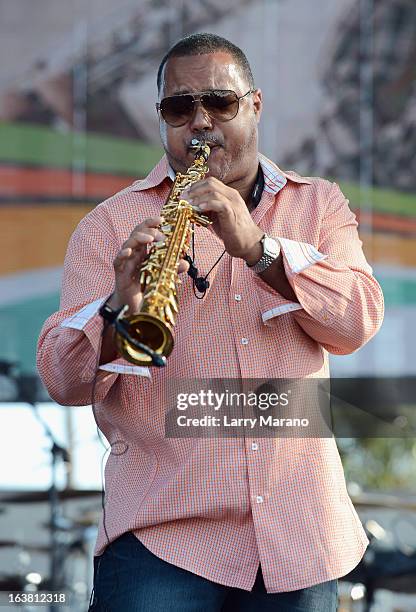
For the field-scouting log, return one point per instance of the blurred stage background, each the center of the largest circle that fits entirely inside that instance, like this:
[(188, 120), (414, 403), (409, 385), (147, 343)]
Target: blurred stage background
[(77, 93)]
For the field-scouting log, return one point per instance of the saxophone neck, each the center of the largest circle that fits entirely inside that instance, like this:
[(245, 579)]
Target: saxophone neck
[(195, 172)]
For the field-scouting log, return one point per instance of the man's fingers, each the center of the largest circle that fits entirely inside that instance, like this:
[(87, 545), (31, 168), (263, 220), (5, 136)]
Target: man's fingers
[(121, 257), (183, 266), (210, 201), (150, 222), (148, 227), (210, 186), (135, 247), (134, 250), (139, 238), (223, 209), (127, 255)]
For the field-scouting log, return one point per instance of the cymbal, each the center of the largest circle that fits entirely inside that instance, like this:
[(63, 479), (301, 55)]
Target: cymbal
[(89, 518), (11, 582), (64, 524), (7, 543), (23, 497), (36, 548), (29, 547), (84, 518), (383, 500), (398, 584)]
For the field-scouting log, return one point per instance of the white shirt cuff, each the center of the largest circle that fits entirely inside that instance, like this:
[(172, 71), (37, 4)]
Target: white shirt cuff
[(300, 255), (279, 310), (80, 319), (120, 368)]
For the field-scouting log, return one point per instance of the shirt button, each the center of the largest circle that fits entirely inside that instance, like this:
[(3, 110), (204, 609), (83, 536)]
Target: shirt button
[(244, 341), (87, 376), (259, 499), (254, 446), (237, 297)]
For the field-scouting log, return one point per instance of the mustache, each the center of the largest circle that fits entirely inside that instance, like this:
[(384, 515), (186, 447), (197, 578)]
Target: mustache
[(209, 139)]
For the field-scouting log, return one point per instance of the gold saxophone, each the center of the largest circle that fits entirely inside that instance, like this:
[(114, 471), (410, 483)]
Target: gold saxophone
[(147, 337)]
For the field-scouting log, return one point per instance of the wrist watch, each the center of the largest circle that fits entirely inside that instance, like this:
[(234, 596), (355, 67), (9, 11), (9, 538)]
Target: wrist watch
[(271, 251)]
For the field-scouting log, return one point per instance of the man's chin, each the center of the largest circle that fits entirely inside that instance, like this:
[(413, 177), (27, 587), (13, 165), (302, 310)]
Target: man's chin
[(218, 171), (218, 163)]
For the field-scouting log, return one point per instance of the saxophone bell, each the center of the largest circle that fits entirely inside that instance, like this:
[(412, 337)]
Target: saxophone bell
[(124, 331)]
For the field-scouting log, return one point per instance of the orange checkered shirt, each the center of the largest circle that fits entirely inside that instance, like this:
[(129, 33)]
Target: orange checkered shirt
[(220, 506)]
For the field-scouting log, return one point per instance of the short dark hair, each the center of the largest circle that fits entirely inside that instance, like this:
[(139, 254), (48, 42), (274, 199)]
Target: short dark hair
[(199, 44)]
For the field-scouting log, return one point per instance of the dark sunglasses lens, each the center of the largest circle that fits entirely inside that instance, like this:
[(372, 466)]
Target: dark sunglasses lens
[(177, 110), (222, 105)]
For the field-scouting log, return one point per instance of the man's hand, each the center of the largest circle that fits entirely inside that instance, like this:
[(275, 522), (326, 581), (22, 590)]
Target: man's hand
[(231, 219), (232, 222), (128, 261), (127, 288)]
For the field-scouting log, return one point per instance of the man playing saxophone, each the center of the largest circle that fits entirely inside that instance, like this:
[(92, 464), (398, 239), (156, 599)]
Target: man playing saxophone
[(211, 524)]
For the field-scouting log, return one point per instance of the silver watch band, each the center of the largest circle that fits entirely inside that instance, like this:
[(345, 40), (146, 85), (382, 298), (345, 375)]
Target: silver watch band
[(271, 251)]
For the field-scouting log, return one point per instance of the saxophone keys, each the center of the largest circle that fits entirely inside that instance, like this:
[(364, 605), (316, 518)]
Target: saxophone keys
[(169, 314), (173, 303), (201, 220)]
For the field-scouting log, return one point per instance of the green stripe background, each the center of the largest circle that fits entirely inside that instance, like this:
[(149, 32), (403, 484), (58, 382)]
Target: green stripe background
[(39, 146), (28, 144)]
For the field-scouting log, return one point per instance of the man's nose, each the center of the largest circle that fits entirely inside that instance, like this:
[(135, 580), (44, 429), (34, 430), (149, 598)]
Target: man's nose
[(200, 119)]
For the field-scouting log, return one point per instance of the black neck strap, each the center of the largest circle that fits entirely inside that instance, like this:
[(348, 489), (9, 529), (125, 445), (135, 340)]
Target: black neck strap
[(258, 187)]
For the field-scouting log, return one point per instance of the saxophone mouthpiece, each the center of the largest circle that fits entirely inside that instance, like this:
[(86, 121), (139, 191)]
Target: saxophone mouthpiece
[(201, 146), (195, 143)]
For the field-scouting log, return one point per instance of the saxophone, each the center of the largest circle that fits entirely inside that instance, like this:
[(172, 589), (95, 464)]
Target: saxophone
[(146, 338)]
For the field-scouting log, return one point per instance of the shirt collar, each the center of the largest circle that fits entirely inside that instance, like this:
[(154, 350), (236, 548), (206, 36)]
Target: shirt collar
[(274, 178), (171, 173), (154, 178)]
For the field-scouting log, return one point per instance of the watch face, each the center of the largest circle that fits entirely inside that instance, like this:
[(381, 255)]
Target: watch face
[(271, 251), (270, 246)]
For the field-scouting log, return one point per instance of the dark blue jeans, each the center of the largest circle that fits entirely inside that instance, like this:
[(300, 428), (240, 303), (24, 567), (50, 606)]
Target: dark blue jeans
[(129, 578)]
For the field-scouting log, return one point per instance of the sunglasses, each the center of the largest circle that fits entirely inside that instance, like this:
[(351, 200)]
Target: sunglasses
[(220, 104)]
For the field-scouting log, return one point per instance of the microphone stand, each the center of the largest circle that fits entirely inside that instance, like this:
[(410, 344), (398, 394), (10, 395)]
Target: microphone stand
[(57, 453), (27, 389)]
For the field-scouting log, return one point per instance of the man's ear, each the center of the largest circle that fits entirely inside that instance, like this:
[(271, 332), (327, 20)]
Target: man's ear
[(257, 103)]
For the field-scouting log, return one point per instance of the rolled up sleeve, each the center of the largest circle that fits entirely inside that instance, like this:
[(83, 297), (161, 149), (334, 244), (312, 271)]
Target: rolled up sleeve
[(70, 340), (342, 303), (339, 303)]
